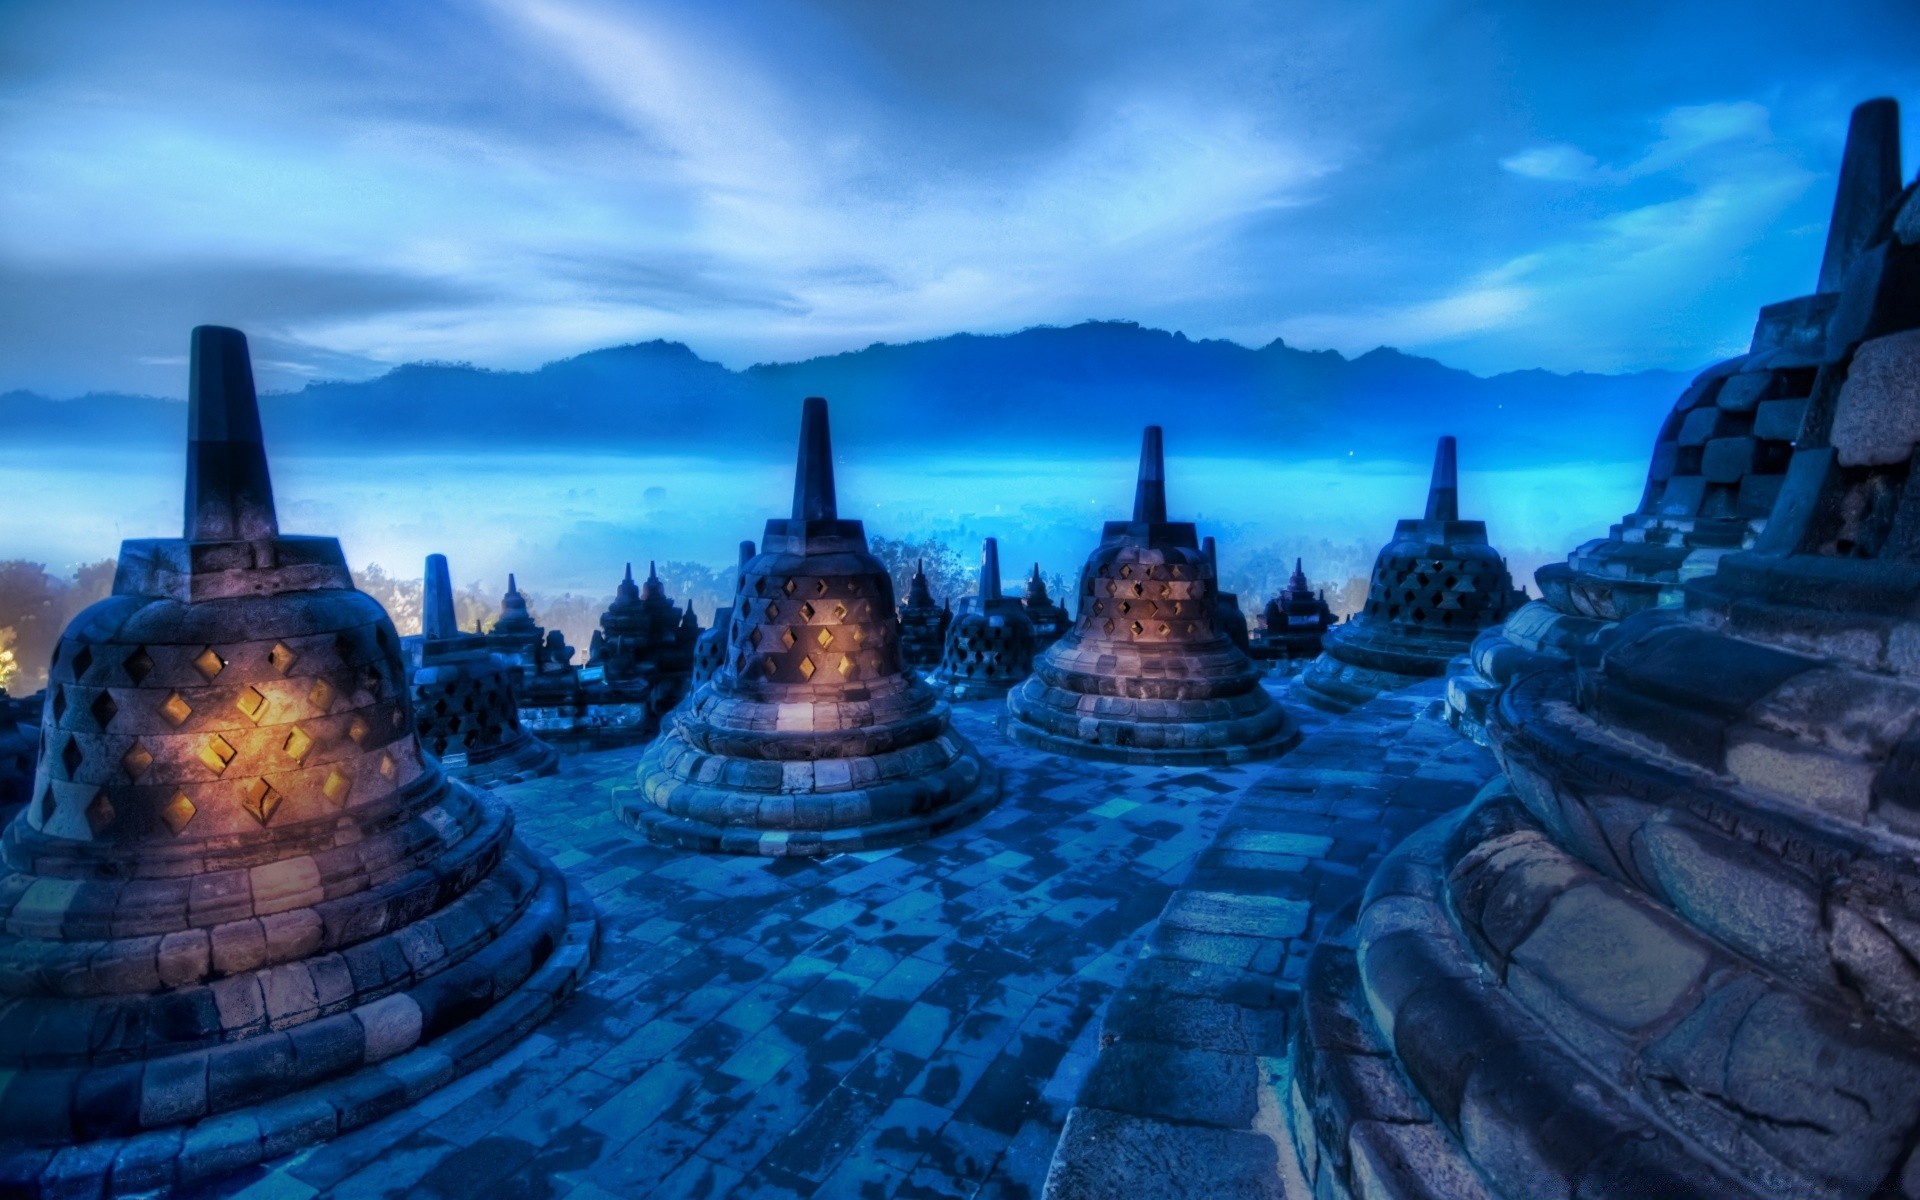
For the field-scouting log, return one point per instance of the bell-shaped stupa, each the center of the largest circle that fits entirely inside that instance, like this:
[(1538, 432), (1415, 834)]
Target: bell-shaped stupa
[(466, 705), (1147, 674), (1294, 623), (813, 738), (923, 624), (990, 643), (1050, 621), (710, 650), (1227, 604), (1718, 461), (244, 909), (1435, 586), (516, 619), (645, 639), (1675, 955)]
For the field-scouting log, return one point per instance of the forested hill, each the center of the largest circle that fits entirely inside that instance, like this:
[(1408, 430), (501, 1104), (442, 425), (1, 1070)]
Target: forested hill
[(1085, 387)]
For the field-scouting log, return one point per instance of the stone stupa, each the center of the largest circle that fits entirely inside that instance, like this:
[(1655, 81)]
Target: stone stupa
[(923, 624), (1675, 955), (1718, 462), (1435, 586), (245, 911), (1295, 622), (465, 702), (710, 650), (1050, 621), (1147, 674), (1227, 604), (645, 641), (990, 643), (813, 738)]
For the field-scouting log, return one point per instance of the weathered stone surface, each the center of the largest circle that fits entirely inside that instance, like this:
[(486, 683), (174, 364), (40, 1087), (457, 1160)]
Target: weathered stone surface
[(234, 795), (1106, 1154), (990, 643), (465, 696), (1435, 587), (1669, 962), (1280, 877), (1149, 673), (1877, 422), (813, 738)]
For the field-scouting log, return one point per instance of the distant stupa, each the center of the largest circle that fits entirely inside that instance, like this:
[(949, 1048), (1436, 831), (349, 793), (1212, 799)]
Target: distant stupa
[(1148, 673), (990, 644), (465, 702), (1435, 586), (813, 738)]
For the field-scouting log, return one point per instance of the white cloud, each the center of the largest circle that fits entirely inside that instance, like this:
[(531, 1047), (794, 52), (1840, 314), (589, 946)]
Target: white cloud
[(1551, 162)]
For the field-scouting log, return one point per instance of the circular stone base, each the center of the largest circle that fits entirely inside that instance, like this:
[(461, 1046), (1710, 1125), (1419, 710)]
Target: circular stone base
[(1337, 687), (687, 833), (184, 1159), (965, 690), (525, 757), (1281, 741)]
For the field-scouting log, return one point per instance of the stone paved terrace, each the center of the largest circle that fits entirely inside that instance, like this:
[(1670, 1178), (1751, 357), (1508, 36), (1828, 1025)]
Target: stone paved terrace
[(913, 1023), (1189, 1093)]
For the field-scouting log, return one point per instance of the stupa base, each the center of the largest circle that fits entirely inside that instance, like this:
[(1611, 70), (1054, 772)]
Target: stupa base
[(525, 757), (965, 690), (556, 931), (1212, 732), (720, 805), (1336, 686), (1114, 742)]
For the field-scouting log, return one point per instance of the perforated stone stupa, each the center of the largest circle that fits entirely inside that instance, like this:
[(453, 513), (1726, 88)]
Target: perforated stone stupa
[(1294, 622), (1050, 621), (990, 643), (923, 624), (645, 639), (1718, 462), (1675, 956), (814, 738), (1147, 674), (244, 910), (1435, 586), (1227, 604), (465, 702), (710, 650)]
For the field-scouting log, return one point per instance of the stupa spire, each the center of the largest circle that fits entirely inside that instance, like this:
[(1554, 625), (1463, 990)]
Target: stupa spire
[(1443, 494), (229, 493), (1869, 180), (747, 551), (813, 498), (990, 570), (513, 585), (1150, 491), (437, 618)]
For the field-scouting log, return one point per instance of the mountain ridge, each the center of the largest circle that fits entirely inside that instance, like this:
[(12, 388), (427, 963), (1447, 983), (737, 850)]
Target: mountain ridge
[(1086, 387)]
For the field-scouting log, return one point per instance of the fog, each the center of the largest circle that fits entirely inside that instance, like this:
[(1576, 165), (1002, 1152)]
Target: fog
[(569, 522)]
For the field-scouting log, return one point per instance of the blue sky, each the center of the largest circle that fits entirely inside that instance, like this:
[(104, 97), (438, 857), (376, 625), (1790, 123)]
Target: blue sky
[(1503, 185)]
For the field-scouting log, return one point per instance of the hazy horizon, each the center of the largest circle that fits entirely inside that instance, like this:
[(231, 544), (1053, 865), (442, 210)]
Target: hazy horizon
[(567, 522)]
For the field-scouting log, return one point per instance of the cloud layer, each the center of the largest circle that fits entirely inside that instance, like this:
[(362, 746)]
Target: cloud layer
[(511, 181)]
